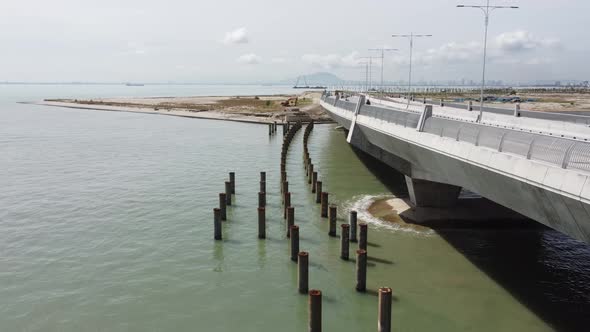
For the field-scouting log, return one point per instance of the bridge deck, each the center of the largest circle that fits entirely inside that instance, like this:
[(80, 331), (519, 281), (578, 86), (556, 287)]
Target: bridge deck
[(536, 172)]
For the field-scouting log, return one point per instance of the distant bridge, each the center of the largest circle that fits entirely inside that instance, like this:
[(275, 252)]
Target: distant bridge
[(537, 167)]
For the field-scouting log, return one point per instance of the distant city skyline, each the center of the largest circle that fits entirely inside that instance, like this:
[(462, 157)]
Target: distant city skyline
[(312, 82), (254, 41)]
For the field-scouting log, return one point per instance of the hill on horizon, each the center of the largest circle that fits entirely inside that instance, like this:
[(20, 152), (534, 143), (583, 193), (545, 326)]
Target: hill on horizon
[(319, 78)]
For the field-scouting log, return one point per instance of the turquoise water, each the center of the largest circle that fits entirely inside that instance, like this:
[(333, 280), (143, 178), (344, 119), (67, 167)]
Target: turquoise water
[(106, 224)]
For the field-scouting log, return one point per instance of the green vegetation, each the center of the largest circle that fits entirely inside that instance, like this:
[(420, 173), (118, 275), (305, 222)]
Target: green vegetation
[(304, 101)]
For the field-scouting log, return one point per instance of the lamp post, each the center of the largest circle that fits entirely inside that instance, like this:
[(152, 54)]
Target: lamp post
[(383, 50), (368, 79), (366, 65), (411, 37), (487, 10)]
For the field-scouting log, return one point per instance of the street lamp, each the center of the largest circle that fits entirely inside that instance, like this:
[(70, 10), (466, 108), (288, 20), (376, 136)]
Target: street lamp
[(487, 10), (383, 49), (368, 70), (411, 38), (366, 65)]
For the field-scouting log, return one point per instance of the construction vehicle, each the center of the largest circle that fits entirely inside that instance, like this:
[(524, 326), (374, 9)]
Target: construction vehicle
[(290, 102)]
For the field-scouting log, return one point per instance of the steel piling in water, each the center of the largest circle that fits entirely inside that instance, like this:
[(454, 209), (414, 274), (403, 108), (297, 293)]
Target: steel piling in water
[(261, 199), (290, 219), (318, 192), (263, 186), (314, 180), (332, 220), (310, 173), (261, 223), (294, 242), (385, 299), (217, 223), (363, 236), (287, 203), (303, 272), (315, 311), (262, 176), (232, 180), (223, 206), (228, 193), (283, 175), (344, 244), (352, 221), (324, 206), (361, 270)]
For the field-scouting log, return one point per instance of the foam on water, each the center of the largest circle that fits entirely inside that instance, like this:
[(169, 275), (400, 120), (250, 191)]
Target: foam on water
[(362, 203)]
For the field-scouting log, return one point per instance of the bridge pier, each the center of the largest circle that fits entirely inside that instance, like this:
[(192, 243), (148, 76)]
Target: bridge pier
[(432, 194)]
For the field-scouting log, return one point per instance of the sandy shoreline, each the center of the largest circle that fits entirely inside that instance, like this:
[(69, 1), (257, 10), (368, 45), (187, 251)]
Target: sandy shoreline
[(249, 109), (211, 115)]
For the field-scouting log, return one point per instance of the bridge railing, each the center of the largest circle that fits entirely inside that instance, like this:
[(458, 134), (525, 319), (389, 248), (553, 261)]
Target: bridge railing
[(558, 151), (401, 118), (562, 152), (347, 105)]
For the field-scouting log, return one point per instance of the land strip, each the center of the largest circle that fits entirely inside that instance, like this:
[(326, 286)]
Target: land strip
[(254, 109)]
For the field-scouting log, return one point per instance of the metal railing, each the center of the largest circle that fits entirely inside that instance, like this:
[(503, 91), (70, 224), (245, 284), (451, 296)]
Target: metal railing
[(401, 118), (349, 106), (558, 151), (562, 152)]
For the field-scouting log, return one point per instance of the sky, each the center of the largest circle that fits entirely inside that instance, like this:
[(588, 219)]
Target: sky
[(225, 41)]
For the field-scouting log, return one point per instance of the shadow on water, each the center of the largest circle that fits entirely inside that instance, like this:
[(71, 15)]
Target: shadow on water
[(373, 292), (393, 180), (353, 261), (379, 260), (545, 270)]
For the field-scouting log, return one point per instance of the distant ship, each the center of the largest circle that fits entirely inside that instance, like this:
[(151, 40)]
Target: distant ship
[(133, 84), (306, 86)]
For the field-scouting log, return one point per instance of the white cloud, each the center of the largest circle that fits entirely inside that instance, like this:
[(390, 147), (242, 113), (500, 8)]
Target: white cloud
[(279, 60), (331, 61), (237, 36), (539, 61), (451, 53), (507, 48), (136, 48), (518, 41), (250, 59)]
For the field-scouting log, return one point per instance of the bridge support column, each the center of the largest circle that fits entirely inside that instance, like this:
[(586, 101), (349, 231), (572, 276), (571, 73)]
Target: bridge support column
[(432, 194)]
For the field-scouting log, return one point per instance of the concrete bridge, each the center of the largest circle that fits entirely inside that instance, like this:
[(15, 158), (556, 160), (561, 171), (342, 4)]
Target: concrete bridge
[(537, 167)]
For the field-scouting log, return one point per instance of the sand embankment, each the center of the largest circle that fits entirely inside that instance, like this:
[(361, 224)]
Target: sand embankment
[(468, 213), (253, 109)]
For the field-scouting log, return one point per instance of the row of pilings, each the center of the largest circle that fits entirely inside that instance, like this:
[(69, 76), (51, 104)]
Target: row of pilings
[(348, 234), (348, 231)]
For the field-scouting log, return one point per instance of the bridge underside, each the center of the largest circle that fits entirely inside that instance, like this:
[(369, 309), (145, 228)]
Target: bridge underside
[(436, 179), (422, 192), (432, 194)]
